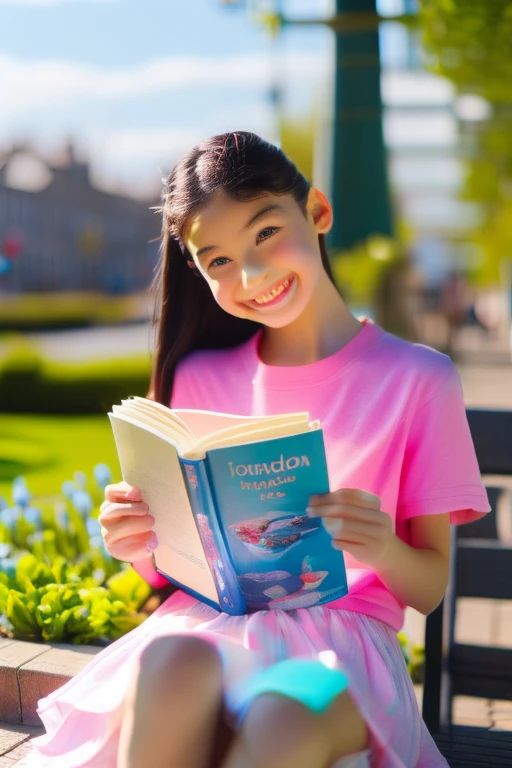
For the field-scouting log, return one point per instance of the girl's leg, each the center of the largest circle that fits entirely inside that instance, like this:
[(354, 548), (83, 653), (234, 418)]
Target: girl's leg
[(173, 706), (280, 732)]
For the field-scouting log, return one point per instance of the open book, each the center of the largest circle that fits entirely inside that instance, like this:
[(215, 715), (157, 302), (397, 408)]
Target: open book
[(229, 494)]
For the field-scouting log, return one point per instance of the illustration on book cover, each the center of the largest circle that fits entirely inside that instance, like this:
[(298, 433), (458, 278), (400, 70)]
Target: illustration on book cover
[(282, 557)]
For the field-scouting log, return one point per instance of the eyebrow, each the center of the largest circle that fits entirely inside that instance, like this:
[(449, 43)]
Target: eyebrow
[(252, 221)]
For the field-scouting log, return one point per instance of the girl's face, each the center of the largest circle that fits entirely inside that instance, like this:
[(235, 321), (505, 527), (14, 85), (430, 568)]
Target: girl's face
[(261, 258)]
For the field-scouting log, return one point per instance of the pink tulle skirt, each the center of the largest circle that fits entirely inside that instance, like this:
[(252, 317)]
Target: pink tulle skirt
[(83, 718)]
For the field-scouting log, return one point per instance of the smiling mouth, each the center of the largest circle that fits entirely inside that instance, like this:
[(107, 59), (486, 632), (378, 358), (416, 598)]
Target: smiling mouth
[(274, 294)]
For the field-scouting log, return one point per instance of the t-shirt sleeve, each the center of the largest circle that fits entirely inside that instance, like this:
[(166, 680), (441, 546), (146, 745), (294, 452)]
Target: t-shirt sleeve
[(440, 471)]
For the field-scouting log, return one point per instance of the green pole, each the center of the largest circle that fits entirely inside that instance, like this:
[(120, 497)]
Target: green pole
[(359, 189)]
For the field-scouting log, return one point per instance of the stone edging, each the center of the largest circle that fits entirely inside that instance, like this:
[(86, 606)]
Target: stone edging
[(30, 671)]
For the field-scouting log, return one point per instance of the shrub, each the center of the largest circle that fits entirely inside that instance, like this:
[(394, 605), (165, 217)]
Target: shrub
[(30, 384), (57, 582)]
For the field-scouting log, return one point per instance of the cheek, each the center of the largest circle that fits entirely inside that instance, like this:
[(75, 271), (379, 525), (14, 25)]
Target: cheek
[(297, 256)]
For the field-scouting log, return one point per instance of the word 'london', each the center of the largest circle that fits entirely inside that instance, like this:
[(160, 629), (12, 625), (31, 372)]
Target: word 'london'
[(282, 465)]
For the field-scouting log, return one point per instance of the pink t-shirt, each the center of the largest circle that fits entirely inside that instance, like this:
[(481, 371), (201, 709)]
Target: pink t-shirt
[(394, 424)]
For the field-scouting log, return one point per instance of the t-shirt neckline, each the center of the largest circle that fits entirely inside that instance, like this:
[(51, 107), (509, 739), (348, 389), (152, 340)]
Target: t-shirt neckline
[(312, 374)]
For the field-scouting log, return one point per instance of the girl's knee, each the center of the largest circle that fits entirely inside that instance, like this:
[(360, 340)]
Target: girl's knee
[(285, 732), (180, 659), (280, 731)]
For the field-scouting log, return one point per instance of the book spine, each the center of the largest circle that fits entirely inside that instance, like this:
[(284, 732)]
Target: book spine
[(231, 599)]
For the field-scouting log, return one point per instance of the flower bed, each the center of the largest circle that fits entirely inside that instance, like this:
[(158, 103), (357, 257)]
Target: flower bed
[(57, 581)]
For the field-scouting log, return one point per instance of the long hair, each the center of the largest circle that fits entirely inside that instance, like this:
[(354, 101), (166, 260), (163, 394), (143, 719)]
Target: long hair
[(187, 317)]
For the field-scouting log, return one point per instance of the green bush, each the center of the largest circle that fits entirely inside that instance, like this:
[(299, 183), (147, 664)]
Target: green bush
[(30, 384), (57, 582)]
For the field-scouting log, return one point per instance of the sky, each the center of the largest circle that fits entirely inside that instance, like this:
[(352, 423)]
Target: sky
[(136, 83)]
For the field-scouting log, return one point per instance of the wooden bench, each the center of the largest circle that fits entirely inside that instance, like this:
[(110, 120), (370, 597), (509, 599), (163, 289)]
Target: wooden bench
[(481, 568)]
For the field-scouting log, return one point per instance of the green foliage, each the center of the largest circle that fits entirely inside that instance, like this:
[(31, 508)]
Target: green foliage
[(414, 656), (57, 583), (358, 271), (40, 311), (50, 449), (56, 603), (469, 42), (30, 384), (297, 142)]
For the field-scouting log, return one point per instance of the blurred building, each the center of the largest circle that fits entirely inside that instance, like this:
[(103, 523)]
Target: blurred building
[(60, 233), (426, 127)]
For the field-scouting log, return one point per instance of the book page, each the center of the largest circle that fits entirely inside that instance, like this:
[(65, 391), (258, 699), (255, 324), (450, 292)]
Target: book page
[(204, 424), (174, 429), (149, 461), (231, 437)]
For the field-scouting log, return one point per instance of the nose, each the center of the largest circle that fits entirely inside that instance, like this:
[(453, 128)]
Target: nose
[(252, 273)]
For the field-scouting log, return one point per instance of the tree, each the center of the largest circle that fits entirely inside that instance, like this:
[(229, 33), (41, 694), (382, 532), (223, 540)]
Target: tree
[(470, 43)]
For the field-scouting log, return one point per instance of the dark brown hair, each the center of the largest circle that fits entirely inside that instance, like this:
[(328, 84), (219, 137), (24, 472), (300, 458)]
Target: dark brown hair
[(187, 316)]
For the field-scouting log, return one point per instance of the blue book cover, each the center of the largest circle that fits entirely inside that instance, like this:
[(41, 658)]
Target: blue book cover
[(281, 557)]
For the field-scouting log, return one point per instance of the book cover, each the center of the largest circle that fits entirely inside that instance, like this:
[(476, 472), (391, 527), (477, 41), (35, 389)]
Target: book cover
[(282, 558)]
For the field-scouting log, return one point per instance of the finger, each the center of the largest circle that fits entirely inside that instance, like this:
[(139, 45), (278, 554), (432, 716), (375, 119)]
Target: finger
[(127, 526), (353, 496), (354, 548), (110, 510), (122, 492), (349, 512), (133, 548), (352, 530)]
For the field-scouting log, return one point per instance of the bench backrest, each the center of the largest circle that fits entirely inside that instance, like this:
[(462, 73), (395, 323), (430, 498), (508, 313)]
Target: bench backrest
[(481, 566)]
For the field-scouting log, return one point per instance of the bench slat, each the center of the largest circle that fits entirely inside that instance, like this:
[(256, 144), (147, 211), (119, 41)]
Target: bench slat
[(484, 569), (484, 672), (491, 430), (470, 747)]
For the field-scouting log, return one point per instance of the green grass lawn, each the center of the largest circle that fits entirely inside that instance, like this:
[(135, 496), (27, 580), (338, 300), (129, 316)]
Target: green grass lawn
[(47, 450)]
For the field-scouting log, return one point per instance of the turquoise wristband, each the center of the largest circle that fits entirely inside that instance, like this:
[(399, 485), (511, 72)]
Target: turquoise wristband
[(307, 681)]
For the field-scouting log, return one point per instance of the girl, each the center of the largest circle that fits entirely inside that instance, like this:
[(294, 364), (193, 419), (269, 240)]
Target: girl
[(250, 322)]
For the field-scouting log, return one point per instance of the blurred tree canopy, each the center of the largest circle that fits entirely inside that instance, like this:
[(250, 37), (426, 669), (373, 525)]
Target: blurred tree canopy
[(297, 142), (470, 43)]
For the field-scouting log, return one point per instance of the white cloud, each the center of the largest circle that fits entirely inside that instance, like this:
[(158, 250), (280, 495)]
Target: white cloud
[(29, 86), (136, 159)]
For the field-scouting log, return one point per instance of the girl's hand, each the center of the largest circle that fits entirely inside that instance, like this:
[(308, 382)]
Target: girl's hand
[(125, 523), (356, 523)]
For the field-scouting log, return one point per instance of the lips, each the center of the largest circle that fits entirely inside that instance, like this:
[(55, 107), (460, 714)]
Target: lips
[(273, 294)]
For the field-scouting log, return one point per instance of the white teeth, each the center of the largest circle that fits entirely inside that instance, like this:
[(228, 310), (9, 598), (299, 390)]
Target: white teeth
[(272, 295)]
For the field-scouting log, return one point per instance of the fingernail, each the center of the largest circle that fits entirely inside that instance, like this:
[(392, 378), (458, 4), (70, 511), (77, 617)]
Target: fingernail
[(310, 512), (132, 496), (152, 543)]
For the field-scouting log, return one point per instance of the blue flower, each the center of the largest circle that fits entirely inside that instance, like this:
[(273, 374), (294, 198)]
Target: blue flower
[(93, 527), (8, 566), (102, 475), (68, 488), (61, 515), (9, 516), (82, 502), (80, 479), (20, 493), (33, 515)]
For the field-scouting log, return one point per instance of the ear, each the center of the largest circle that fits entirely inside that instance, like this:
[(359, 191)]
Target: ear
[(320, 210)]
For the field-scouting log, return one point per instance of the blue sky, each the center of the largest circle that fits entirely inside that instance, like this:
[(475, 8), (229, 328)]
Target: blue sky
[(138, 82)]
